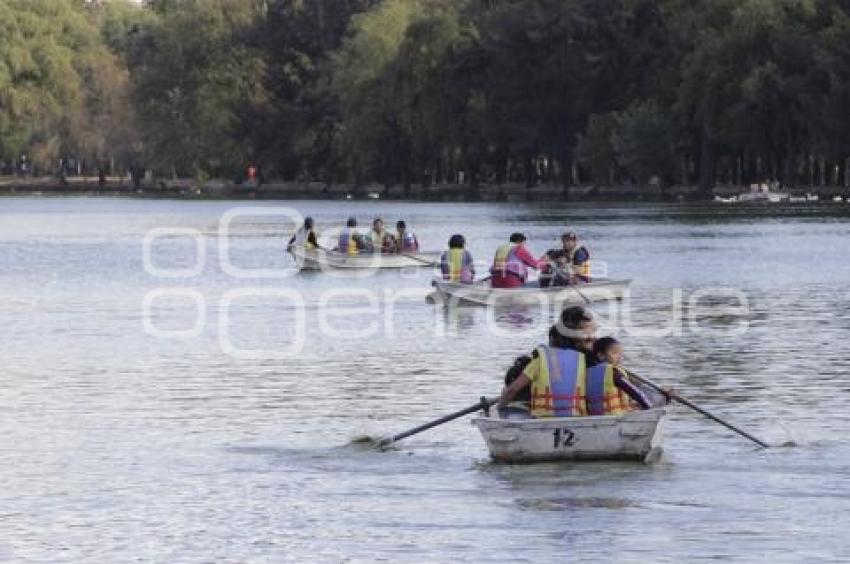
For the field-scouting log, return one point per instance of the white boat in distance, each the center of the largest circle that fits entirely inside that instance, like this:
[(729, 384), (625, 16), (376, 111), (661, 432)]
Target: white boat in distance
[(319, 259), (763, 193), (482, 294), (632, 436)]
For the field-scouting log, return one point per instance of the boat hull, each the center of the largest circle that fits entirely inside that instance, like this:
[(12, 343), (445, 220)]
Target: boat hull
[(321, 260), (632, 436), (756, 197), (480, 293)]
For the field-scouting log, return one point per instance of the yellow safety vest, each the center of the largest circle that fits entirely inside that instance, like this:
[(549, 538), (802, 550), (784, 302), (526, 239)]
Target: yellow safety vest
[(307, 244), (456, 265), (603, 395), (505, 260), (348, 241), (559, 388), (583, 268)]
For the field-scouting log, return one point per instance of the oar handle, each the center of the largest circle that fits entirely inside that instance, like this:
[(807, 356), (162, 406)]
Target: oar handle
[(698, 409), (568, 276), (483, 403)]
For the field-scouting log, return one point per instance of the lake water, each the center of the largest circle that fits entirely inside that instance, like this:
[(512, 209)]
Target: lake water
[(201, 401)]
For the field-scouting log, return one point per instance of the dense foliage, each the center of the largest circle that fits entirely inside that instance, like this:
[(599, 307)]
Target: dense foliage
[(431, 91)]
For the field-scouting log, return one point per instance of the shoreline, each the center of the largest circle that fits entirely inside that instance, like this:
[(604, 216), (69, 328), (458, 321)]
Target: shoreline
[(217, 190)]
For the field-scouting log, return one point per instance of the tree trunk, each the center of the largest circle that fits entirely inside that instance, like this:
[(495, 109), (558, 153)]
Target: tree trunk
[(566, 172), (706, 167)]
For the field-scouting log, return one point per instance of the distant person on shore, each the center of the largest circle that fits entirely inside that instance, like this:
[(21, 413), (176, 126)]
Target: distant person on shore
[(305, 236), (251, 173), (406, 241), (568, 265), (609, 390), (511, 263), (350, 241), (456, 263)]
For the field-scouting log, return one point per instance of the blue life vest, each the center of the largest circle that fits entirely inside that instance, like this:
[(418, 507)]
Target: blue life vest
[(559, 390)]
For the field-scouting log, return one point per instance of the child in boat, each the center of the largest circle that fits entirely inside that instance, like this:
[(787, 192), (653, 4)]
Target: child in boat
[(518, 408), (609, 350)]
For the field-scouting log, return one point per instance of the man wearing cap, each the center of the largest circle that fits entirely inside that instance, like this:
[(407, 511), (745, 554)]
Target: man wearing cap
[(569, 265), (511, 263)]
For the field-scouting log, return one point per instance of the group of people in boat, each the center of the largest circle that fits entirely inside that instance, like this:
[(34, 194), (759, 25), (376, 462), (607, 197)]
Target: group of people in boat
[(563, 266), (575, 374), (566, 265), (352, 242)]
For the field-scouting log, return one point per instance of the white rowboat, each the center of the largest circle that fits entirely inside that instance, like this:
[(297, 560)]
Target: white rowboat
[(632, 436), (319, 259), (481, 293)]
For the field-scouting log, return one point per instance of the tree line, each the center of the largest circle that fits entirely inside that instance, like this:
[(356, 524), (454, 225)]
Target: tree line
[(404, 92)]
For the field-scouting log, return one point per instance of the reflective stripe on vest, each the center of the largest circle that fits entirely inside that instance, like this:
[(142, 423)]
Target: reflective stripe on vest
[(559, 390), (407, 240), (603, 395), (506, 261), (347, 242), (456, 265)]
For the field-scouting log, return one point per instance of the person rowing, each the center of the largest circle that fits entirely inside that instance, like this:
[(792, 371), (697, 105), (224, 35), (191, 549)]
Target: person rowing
[(569, 265), (456, 264), (511, 263), (305, 236), (405, 239), (558, 376)]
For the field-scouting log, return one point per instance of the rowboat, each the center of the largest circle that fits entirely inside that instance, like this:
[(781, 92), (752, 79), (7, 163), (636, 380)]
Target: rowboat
[(481, 293), (763, 196), (319, 259), (633, 436)]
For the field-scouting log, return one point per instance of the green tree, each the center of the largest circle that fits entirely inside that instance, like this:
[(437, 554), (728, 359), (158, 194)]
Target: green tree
[(196, 75), (62, 92), (644, 138), (596, 147)]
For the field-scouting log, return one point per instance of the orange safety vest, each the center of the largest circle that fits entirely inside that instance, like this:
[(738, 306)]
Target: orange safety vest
[(603, 395), (559, 390)]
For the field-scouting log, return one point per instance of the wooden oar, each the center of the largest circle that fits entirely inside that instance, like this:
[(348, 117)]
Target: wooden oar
[(417, 259), (696, 408), (483, 403)]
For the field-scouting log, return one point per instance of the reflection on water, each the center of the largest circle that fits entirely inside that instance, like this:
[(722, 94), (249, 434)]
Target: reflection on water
[(119, 445)]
